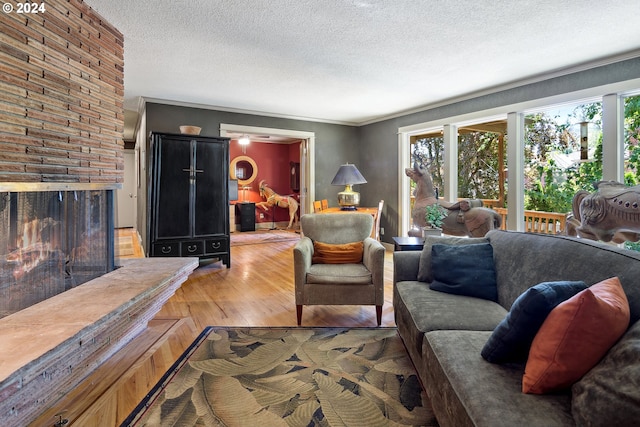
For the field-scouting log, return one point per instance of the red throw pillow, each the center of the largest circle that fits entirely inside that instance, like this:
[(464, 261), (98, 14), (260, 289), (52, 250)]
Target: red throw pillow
[(575, 336), (347, 253)]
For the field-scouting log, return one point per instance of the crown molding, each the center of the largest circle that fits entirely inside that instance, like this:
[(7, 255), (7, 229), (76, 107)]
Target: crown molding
[(241, 111)]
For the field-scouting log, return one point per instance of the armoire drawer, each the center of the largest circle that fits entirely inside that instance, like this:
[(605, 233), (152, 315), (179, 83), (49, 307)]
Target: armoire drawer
[(214, 246), (166, 249), (192, 248)]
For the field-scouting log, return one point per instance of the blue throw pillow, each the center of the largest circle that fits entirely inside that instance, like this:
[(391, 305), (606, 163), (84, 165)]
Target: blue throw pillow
[(512, 338), (464, 270)]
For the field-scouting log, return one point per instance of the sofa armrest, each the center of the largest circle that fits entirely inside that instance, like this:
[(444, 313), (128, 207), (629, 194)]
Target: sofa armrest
[(406, 265)]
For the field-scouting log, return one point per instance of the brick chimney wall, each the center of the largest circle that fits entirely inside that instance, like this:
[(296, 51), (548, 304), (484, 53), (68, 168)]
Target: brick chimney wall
[(61, 95)]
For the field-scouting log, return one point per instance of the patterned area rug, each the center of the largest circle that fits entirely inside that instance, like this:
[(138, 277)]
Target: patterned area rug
[(239, 238), (289, 377)]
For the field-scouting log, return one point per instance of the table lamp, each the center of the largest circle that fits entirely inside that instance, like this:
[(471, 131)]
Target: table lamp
[(244, 190), (348, 175)]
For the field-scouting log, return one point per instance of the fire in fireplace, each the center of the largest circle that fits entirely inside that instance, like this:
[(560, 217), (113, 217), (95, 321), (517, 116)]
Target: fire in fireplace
[(52, 241)]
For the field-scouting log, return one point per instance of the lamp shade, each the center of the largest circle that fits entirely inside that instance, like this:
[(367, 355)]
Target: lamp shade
[(348, 174)]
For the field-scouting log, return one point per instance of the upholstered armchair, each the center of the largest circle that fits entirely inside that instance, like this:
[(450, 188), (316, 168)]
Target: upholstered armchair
[(327, 266)]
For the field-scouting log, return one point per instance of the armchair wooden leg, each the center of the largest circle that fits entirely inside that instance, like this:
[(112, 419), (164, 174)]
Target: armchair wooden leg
[(378, 314), (299, 314)]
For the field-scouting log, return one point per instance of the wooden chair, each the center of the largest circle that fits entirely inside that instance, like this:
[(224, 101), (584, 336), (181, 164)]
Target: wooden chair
[(317, 206), (325, 204), (378, 218), (338, 284)]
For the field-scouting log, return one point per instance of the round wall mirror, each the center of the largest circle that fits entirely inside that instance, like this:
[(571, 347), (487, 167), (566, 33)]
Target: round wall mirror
[(244, 169)]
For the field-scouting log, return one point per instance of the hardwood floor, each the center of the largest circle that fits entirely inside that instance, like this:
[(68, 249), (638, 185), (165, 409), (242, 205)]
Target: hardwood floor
[(256, 291)]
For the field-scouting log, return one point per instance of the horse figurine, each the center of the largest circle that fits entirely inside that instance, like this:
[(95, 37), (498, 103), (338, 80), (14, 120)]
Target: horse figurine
[(465, 218), (611, 213), (275, 199)]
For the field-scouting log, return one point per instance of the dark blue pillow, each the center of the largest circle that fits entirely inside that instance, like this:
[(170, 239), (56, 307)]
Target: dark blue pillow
[(512, 338), (464, 270)]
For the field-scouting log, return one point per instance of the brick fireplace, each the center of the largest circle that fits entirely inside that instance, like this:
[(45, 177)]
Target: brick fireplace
[(61, 158), (63, 311), (61, 149)]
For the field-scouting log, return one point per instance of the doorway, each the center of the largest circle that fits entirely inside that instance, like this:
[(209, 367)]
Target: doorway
[(127, 195), (285, 136)]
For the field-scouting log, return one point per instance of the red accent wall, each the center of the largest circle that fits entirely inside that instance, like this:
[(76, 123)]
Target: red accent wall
[(273, 166)]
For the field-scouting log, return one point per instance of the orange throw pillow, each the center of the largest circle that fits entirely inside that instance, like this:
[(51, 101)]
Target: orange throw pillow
[(347, 253), (575, 336)]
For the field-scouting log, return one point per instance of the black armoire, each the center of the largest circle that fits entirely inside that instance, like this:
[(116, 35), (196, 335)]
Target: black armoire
[(188, 205)]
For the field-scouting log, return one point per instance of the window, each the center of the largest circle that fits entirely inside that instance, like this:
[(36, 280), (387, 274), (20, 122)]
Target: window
[(563, 154), (631, 140), (560, 156)]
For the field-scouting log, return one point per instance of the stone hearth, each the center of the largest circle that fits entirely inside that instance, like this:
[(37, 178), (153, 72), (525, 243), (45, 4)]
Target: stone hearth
[(48, 348)]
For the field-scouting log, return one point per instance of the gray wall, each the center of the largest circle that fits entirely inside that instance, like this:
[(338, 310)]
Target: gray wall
[(374, 147), (334, 144)]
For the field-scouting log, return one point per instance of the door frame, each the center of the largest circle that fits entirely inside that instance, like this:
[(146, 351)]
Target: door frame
[(307, 156)]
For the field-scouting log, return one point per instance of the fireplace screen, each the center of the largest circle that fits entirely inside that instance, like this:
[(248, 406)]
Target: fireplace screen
[(51, 241)]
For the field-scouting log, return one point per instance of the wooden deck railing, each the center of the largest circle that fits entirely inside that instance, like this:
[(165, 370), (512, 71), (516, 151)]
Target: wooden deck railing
[(491, 203), (538, 222), (534, 221)]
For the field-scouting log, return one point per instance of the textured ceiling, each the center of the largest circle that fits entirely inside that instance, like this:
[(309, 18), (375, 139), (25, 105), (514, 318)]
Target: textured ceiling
[(356, 61)]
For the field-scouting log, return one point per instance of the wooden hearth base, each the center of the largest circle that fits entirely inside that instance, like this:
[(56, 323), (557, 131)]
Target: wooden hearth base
[(89, 404), (49, 348)]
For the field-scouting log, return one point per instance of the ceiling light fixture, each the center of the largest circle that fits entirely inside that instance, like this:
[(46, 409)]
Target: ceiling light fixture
[(244, 141)]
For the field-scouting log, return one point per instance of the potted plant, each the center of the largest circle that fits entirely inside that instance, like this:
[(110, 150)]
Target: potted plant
[(434, 216)]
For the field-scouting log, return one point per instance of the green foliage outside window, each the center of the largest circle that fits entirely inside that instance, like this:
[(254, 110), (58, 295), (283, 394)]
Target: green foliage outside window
[(631, 139), (428, 152), (550, 188), (477, 163)]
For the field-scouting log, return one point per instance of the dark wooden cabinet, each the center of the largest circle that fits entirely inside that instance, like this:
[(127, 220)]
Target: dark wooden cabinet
[(188, 207)]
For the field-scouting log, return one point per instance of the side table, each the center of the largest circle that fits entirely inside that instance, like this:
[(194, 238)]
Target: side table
[(247, 216), (408, 243)]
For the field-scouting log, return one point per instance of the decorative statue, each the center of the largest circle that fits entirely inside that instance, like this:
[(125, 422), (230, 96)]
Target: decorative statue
[(465, 218), (611, 213), (274, 199)]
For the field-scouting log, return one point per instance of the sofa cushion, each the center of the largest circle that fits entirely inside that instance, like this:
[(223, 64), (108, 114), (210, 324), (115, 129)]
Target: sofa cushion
[(512, 338), (418, 309), (466, 390), (609, 394), (345, 253), (575, 336), (424, 270), (464, 270)]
